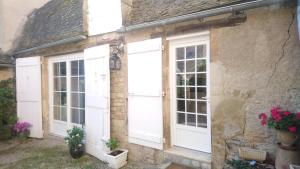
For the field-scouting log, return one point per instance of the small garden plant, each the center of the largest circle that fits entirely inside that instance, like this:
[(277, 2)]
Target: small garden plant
[(75, 141), (21, 129), (112, 144), (242, 164), (282, 120)]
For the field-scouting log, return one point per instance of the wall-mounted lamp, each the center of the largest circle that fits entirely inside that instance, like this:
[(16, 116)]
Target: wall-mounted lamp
[(115, 62)]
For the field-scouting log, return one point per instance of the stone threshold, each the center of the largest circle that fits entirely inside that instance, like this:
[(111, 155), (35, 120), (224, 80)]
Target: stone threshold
[(188, 157)]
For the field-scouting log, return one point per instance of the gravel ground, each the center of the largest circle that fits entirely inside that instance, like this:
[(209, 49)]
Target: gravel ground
[(50, 153)]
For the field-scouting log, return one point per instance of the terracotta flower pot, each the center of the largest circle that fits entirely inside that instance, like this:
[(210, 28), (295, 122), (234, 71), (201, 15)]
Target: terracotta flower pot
[(286, 138)]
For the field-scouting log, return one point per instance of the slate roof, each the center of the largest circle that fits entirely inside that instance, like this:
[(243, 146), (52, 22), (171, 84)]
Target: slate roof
[(151, 10), (56, 20)]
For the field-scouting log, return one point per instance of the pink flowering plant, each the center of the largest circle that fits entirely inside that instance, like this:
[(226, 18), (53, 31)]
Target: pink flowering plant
[(281, 120), (21, 129)]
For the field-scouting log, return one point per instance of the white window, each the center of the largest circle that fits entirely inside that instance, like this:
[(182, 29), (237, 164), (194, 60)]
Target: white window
[(67, 92)]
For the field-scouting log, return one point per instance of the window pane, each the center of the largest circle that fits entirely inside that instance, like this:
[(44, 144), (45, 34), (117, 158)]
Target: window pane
[(179, 53), (56, 112), (180, 118), (56, 98), (201, 106), (81, 84), (56, 69), (190, 66), (201, 79), (190, 52), (74, 68), (63, 114), (180, 67), (75, 116), (74, 100), (201, 65), (63, 84), (190, 106), (81, 100), (81, 67), (63, 69), (181, 105), (202, 121), (201, 51), (56, 84), (74, 84), (201, 92), (180, 79), (82, 117), (191, 120), (180, 92), (190, 92), (190, 79), (63, 98)]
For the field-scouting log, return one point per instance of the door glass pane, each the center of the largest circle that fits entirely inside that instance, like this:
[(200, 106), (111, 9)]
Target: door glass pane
[(56, 69), (190, 52), (56, 113), (181, 118), (74, 100), (74, 68), (56, 84), (190, 78), (63, 84), (180, 92), (56, 98), (201, 65), (179, 53), (74, 84), (63, 113), (201, 51), (201, 107), (201, 79), (181, 105), (201, 93), (180, 80), (63, 69), (82, 116), (81, 84), (190, 66), (202, 121), (75, 116), (180, 67), (190, 106), (81, 100), (63, 98), (81, 67), (190, 92), (191, 120)]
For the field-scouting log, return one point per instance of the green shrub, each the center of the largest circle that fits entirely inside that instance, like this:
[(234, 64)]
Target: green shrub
[(7, 108), (75, 138), (112, 144)]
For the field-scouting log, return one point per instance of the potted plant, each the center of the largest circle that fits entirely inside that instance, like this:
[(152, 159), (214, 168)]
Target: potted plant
[(75, 142), (116, 158), (21, 130), (287, 125)]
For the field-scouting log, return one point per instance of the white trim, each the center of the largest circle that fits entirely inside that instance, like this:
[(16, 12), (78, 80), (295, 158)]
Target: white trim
[(181, 41)]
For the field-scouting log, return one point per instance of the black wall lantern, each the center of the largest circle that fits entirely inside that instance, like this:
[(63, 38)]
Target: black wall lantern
[(115, 62)]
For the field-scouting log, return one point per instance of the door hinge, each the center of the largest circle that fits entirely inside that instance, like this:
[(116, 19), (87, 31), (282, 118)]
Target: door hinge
[(163, 94), (162, 47)]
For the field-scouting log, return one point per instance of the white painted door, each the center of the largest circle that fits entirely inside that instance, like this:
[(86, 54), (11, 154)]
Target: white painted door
[(190, 105), (28, 81), (145, 123), (97, 120)]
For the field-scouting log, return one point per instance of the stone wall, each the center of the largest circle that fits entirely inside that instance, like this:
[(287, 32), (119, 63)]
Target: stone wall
[(6, 73), (254, 66)]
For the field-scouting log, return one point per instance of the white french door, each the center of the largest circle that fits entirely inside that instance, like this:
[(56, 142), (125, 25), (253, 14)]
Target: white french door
[(190, 105), (67, 92)]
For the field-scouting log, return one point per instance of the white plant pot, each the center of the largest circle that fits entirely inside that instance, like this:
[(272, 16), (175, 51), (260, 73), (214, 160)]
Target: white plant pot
[(294, 166), (117, 161)]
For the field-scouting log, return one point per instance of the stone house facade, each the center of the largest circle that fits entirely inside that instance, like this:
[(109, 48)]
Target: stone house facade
[(194, 75)]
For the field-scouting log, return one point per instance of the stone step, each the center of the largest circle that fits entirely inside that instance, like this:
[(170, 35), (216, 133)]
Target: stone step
[(188, 158)]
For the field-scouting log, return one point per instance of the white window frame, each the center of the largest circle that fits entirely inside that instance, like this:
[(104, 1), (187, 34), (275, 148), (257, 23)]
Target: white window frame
[(62, 58)]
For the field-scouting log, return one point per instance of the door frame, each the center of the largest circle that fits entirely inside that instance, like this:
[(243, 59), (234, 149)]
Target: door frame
[(180, 41), (61, 58)]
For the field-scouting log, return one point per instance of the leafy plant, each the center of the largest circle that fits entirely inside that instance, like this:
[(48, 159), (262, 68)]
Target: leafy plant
[(7, 108), (112, 144), (242, 164), (281, 120), (21, 129), (75, 138)]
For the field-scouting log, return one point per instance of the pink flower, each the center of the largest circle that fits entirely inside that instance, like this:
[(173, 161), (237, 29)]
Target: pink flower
[(263, 122), (298, 115), (286, 113), (292, 129), (263, 118)]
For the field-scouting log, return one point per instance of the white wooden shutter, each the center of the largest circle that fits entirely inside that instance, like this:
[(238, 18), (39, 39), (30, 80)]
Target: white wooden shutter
[(29, 105), (97, 99), (145, 123)]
